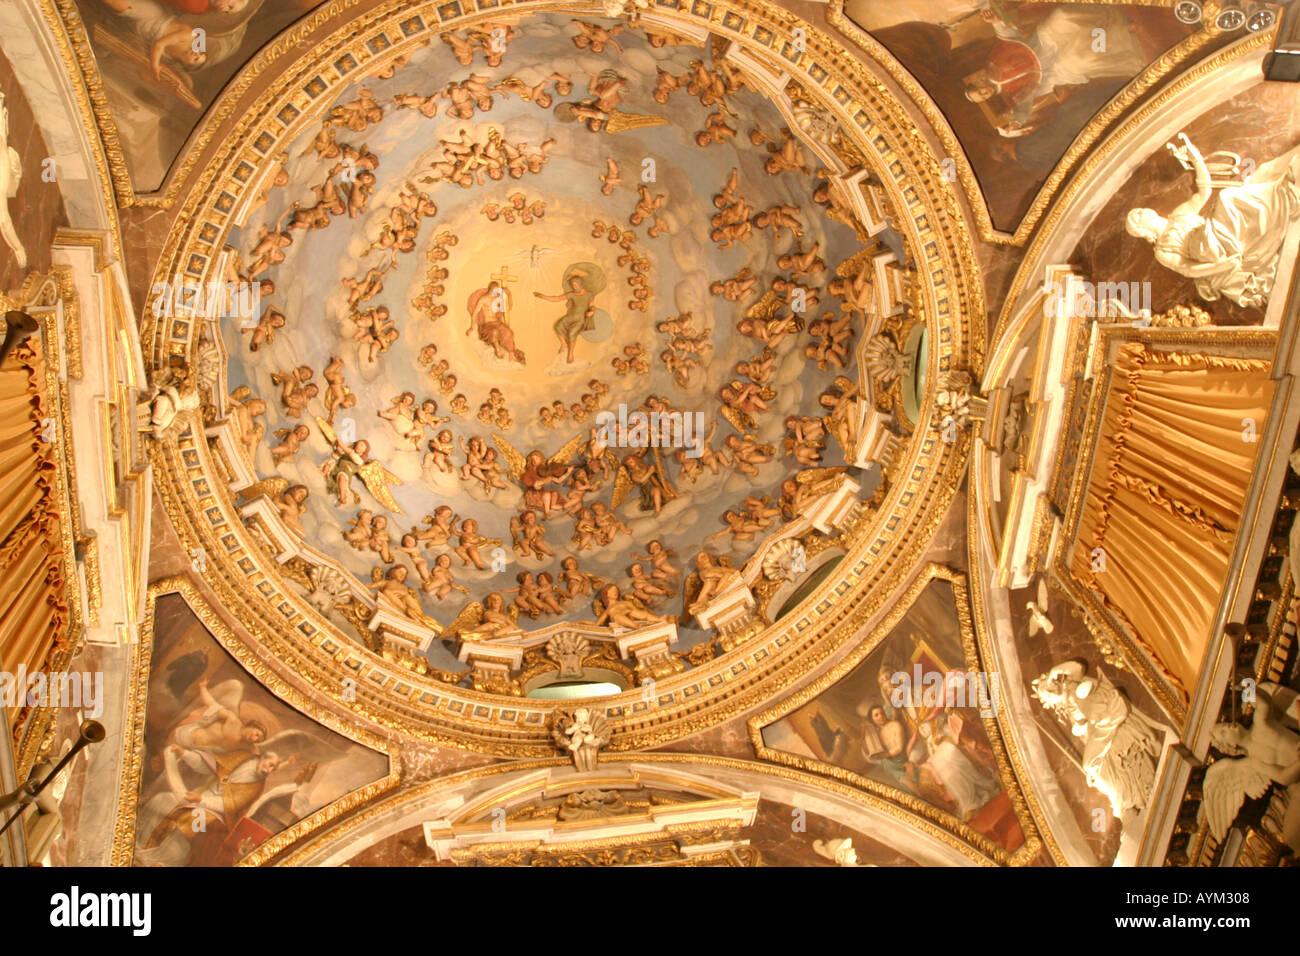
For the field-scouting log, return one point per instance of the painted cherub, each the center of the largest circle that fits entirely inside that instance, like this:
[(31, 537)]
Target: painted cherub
[(644, 586), (576, 581), (291, 440), (291, 503), (469, 543), (833, 336), (580, 486), (607, 523), (585, 533), (380, 542), (806, 440), (440, 582), (296, 389), (548, 595), (492, 471), (358, 536), (439, 453), (245, 408), (392, 585), (526, 595), (439, 527), (660, 557), (337, 393), (747, 454), (410, 546), (264, 332), (475, 456), (618, 610)]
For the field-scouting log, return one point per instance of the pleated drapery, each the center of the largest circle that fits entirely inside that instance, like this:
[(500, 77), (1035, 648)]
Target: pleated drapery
[(33, 611), (1173, 464)]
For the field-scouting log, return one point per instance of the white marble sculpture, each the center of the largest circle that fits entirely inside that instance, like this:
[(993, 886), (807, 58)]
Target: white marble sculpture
[(1120, 745), (581, 735), (11, 177), (1228, 236), (174, 402), (329, 588), (1039, 622), (1266, 752), (840, 851)]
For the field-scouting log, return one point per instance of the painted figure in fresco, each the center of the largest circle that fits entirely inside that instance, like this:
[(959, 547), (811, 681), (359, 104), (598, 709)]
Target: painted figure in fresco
[(1033, 70), (489, 315), (166, 36), (582, 281)]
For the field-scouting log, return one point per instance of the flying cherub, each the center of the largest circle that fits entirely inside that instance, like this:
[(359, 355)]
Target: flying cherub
[(291, 440), (610, 177)]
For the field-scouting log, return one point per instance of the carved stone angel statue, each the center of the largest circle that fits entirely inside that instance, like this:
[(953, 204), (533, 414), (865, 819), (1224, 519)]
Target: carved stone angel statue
[(581, 734), (1120, 744), (1228, 236), (1266, 752), (174, 402)]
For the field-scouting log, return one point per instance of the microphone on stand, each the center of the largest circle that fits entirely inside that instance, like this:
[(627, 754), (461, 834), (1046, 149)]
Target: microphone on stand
[(91, 732)]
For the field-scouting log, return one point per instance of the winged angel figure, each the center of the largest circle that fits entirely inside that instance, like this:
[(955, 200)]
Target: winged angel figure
[(349, 460), (1120, 743), (1265, 753), (540, 477), (484, 621), (650, 477), (710, 576)]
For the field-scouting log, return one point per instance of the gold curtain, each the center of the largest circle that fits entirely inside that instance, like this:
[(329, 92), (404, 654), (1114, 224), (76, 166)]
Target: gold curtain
[(33, 613), (1169, 477)]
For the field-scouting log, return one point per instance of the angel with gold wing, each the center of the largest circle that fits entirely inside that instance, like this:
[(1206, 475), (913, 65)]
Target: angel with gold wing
[(290, 502), (484, 621), (349, 461), (710, 576), (649, 476), (536, 473), (806, 487)]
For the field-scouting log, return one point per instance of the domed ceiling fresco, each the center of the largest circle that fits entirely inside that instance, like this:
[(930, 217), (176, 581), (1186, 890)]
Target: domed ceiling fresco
[(488, 272)]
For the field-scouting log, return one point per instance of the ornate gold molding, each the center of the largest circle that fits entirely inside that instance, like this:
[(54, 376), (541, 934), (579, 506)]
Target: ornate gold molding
[(391, 806)]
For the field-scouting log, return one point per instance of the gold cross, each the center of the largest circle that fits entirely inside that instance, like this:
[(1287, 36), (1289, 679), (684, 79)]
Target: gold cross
[(504, 276)]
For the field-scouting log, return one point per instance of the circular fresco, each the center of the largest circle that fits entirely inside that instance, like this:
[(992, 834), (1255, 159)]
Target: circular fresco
[(571, 330)]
